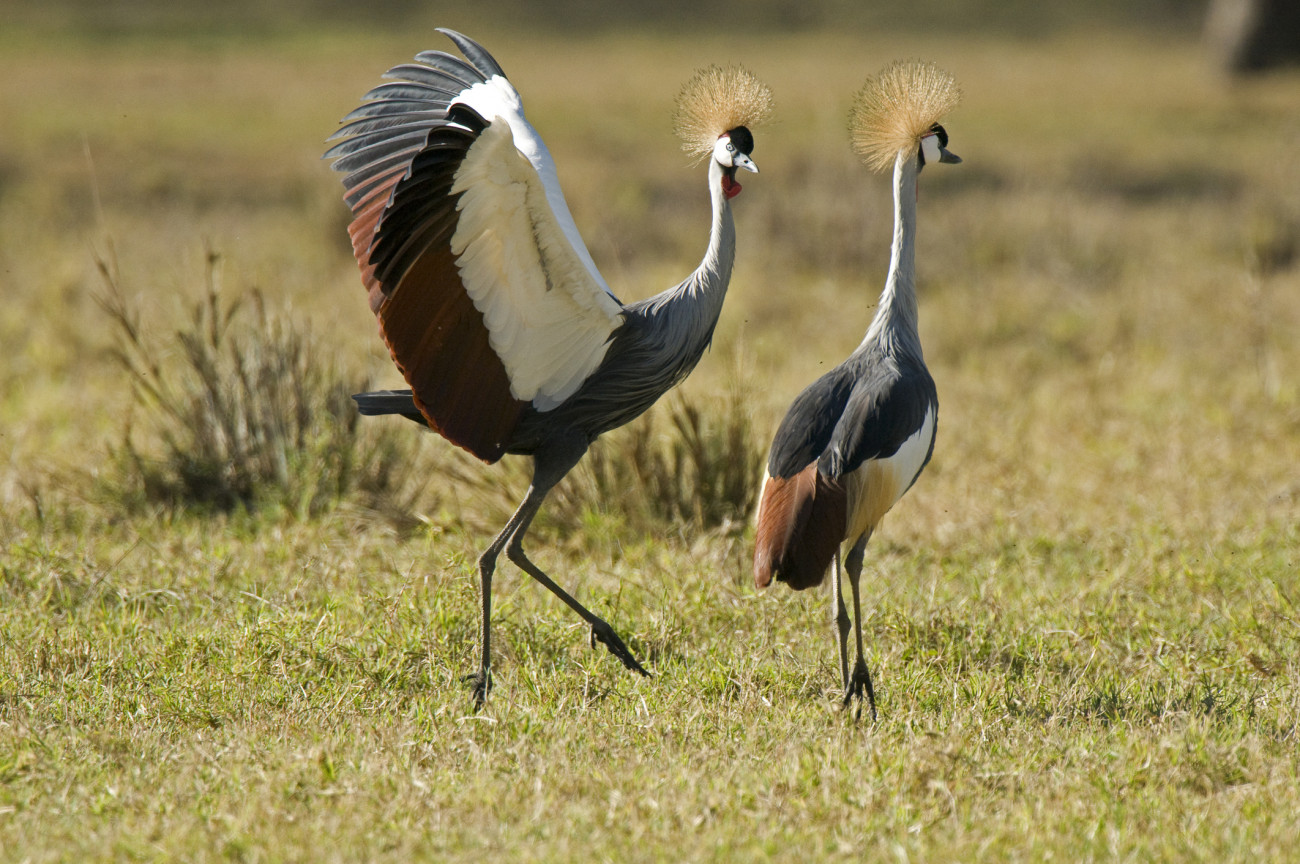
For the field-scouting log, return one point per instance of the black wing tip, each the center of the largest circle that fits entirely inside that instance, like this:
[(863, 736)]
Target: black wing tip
[(432, 70), (476, 53)]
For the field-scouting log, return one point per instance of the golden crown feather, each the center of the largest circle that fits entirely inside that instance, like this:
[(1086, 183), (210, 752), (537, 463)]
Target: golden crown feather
[(715, 100), (897, 107)]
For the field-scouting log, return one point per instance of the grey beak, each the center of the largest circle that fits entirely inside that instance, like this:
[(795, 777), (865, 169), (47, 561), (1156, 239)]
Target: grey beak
[(740, 160), (949, 157)]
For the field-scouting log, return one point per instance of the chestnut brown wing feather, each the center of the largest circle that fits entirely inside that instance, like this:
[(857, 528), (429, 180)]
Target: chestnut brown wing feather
[(800, 527), (431, 326)]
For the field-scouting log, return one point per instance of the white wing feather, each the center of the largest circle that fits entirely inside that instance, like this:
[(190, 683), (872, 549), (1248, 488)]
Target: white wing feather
[(497, 97), (548, 313)]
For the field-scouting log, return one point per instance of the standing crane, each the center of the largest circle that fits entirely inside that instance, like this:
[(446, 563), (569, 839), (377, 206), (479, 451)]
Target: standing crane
[(488, 299), (855, 440)]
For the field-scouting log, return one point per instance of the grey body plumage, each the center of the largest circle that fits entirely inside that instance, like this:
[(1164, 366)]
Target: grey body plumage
[(868, 405), (863, 409)]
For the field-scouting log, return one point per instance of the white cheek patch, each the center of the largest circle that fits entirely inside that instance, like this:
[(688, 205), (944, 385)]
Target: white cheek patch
[(930, 149), (723, 151)]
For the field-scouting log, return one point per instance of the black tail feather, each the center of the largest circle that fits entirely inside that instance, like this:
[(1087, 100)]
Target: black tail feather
[(389, 402)]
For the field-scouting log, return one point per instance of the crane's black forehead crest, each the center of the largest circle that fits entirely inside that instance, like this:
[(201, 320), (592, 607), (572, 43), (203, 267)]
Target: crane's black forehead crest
[(742, 138)]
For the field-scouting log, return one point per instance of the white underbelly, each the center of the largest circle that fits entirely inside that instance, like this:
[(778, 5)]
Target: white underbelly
[(877, 484)]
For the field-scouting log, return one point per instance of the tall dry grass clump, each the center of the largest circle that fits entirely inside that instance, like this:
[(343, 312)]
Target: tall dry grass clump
[(244, 410), (701, 471)]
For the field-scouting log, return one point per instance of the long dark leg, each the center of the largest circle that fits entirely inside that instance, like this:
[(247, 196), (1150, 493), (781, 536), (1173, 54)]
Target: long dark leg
[(481, 681), (841, 621), (861, 676), (600, 631), (549, 467)]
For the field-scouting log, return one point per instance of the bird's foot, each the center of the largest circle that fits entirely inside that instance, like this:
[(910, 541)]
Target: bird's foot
[(480, 683), (860, 684), (604, 634)]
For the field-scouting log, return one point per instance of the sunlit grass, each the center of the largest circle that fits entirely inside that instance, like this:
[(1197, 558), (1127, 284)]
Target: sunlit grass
[(1082, 620)]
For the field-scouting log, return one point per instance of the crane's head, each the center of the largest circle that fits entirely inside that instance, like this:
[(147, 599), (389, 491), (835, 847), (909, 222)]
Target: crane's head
[(732, 152), (934, 148), (899, 111), (715, 111)]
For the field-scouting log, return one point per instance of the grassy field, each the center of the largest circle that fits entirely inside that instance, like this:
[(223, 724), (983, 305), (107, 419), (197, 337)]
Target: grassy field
[(1082, 619)]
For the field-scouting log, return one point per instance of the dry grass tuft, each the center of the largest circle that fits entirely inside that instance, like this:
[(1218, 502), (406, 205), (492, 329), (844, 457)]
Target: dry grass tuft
[(253, 415), (680, 467), (701, 474)]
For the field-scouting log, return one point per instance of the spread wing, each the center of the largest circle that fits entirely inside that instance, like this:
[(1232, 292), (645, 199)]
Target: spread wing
[(486, 295)]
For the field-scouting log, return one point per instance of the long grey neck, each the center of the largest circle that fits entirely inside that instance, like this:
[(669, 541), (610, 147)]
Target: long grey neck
[(894, 326), (687, 313)]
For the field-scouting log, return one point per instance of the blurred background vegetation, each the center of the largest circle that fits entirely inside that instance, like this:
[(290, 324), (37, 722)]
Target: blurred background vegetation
[(250, 17)]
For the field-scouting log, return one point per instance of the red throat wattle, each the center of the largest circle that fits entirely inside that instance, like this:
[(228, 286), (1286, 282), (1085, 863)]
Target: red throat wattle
[(730, 187)]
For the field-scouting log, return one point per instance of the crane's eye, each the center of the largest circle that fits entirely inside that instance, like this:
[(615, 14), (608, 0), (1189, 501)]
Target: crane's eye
[(731, 148)]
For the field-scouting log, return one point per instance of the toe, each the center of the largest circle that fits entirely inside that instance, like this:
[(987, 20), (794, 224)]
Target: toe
[(602, 632)]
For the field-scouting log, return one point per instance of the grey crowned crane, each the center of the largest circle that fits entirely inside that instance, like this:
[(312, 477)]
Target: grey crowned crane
[(488, 299), (855, 441)]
